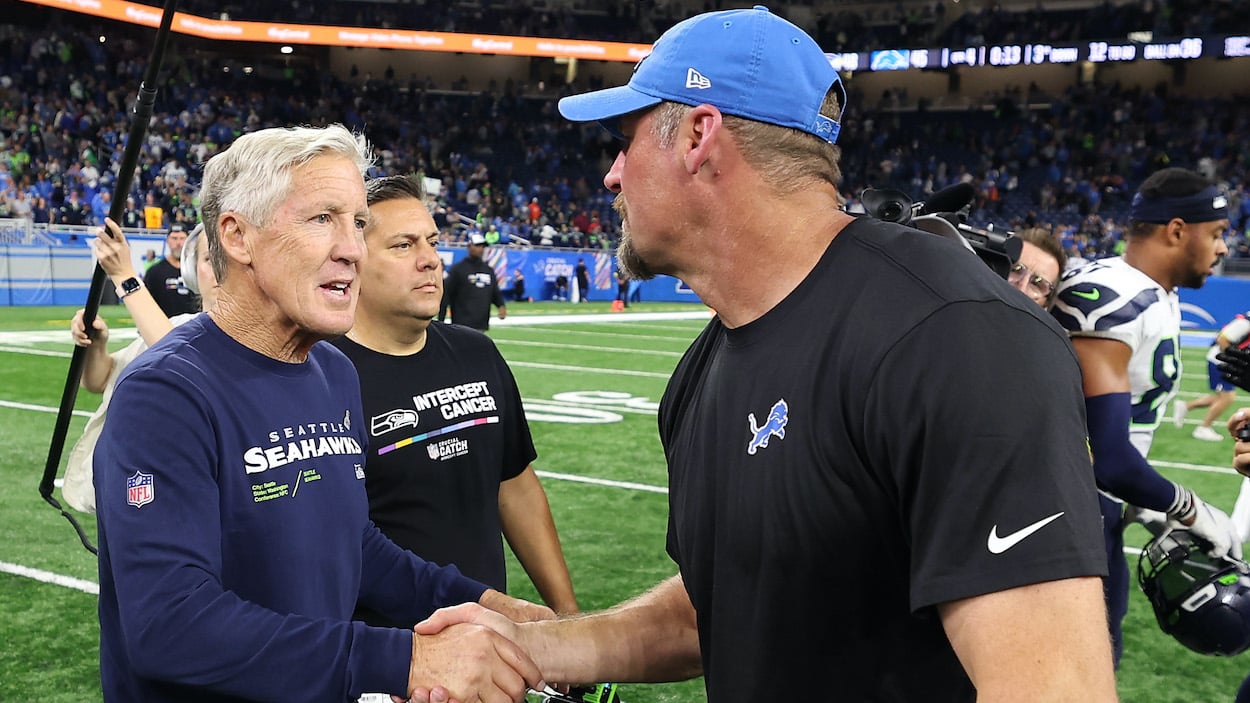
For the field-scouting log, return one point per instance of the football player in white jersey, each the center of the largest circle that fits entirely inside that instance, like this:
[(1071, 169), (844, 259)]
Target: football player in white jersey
[(1223, 392), (1123, 315)]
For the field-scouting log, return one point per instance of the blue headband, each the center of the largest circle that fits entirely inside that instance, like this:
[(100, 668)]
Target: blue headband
[(1207, 205)]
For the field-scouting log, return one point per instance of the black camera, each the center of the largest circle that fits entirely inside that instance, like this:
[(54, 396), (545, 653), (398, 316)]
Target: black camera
[(945, 214)]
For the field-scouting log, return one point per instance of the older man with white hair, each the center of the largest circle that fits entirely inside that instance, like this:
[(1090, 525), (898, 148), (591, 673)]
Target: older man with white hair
[(233, 552)]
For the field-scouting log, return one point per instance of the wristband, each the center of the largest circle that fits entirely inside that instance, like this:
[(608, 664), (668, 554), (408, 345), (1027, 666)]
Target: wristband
[(1184, 506)]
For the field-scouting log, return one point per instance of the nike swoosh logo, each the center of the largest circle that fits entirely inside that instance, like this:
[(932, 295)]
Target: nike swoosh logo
[(998, 545), (1092, 295)]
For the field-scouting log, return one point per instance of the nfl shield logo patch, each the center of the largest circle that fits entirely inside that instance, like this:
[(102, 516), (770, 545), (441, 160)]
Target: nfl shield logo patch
[(432, 450), (139, 489)]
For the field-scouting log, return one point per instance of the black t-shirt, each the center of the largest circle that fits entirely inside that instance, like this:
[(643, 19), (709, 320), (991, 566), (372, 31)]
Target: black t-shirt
[(164, 282), (838, 466), (446, 427), (469, 290)]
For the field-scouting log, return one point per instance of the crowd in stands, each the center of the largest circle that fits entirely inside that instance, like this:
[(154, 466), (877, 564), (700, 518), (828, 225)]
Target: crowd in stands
[(862, 27), (510, 168), (1070, 167)]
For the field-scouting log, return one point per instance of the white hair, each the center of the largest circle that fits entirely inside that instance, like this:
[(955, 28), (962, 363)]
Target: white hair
[(190, 260), (253, 175)]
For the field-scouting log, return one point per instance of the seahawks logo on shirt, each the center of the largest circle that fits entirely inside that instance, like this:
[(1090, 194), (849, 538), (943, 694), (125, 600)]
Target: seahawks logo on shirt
[(1109, 299), (1097, 307)]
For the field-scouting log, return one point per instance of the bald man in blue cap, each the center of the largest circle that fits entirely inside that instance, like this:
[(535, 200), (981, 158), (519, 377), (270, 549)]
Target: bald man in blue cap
[(837, 513)]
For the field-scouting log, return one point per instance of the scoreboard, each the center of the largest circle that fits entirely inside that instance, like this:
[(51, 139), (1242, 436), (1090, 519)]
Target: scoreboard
[(1184, 48)]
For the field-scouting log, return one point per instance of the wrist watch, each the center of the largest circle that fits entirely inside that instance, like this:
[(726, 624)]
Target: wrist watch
[(128, 286)]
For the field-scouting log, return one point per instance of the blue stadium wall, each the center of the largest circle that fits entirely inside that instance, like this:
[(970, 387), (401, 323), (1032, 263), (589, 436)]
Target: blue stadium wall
[(47, 275), (542, 266)]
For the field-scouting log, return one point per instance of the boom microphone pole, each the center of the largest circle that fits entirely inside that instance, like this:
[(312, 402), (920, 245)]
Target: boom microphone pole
[(130, 157)]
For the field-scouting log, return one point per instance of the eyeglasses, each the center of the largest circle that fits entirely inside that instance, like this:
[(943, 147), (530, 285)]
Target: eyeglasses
[(1038, 284)]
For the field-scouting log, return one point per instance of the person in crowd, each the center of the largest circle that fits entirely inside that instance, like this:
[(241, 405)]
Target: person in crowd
[(232, 553), (518, 285), (449, 459), (164, 278), (622, 287), (470, 288), (1223, 392), (836, 509), (101, 369), (1042, 261), (1123, 315), (583, 281)]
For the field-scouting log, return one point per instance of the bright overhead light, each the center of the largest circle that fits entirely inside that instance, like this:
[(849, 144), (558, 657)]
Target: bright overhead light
[(286, 50)]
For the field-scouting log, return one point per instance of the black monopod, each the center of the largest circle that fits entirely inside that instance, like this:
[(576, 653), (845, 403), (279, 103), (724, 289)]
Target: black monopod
[(130, 157)]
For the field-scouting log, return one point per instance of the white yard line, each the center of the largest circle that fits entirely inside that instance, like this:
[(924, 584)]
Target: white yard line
[(699, 314), (36, 352), (686, 339), (627, 485), (49, 577), (39, 408), (587, 369), (588, 347)]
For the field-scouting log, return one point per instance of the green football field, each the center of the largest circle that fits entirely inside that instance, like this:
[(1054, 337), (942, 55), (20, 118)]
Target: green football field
[(590, 388)]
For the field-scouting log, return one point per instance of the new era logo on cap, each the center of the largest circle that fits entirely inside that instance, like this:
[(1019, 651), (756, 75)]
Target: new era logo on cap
[(1219, 202), (694, 79)]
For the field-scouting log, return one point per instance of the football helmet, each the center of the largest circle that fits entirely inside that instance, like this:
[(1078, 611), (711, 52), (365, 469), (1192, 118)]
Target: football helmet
[(1202, 601)]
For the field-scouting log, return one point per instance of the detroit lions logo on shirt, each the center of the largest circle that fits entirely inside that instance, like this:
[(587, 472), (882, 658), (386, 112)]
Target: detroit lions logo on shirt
[(776, 425)]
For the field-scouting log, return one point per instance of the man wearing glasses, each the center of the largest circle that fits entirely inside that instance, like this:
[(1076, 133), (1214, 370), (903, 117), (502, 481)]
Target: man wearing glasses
[(1123, 316), (1037, 271)]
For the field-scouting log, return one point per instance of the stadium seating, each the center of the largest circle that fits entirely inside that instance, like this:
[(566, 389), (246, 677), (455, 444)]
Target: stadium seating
[(1034, 159)]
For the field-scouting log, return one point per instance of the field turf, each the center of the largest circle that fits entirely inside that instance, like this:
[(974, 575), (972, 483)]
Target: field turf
[(604, 476)]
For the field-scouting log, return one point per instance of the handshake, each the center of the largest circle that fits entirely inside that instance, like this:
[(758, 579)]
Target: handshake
[(488, 651)]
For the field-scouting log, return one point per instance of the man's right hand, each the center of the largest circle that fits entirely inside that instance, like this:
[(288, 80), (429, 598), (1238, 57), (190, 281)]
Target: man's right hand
[(469, 662)]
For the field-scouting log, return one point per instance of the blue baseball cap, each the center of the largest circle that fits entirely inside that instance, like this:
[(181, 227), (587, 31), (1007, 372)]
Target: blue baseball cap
[(748, 63)]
